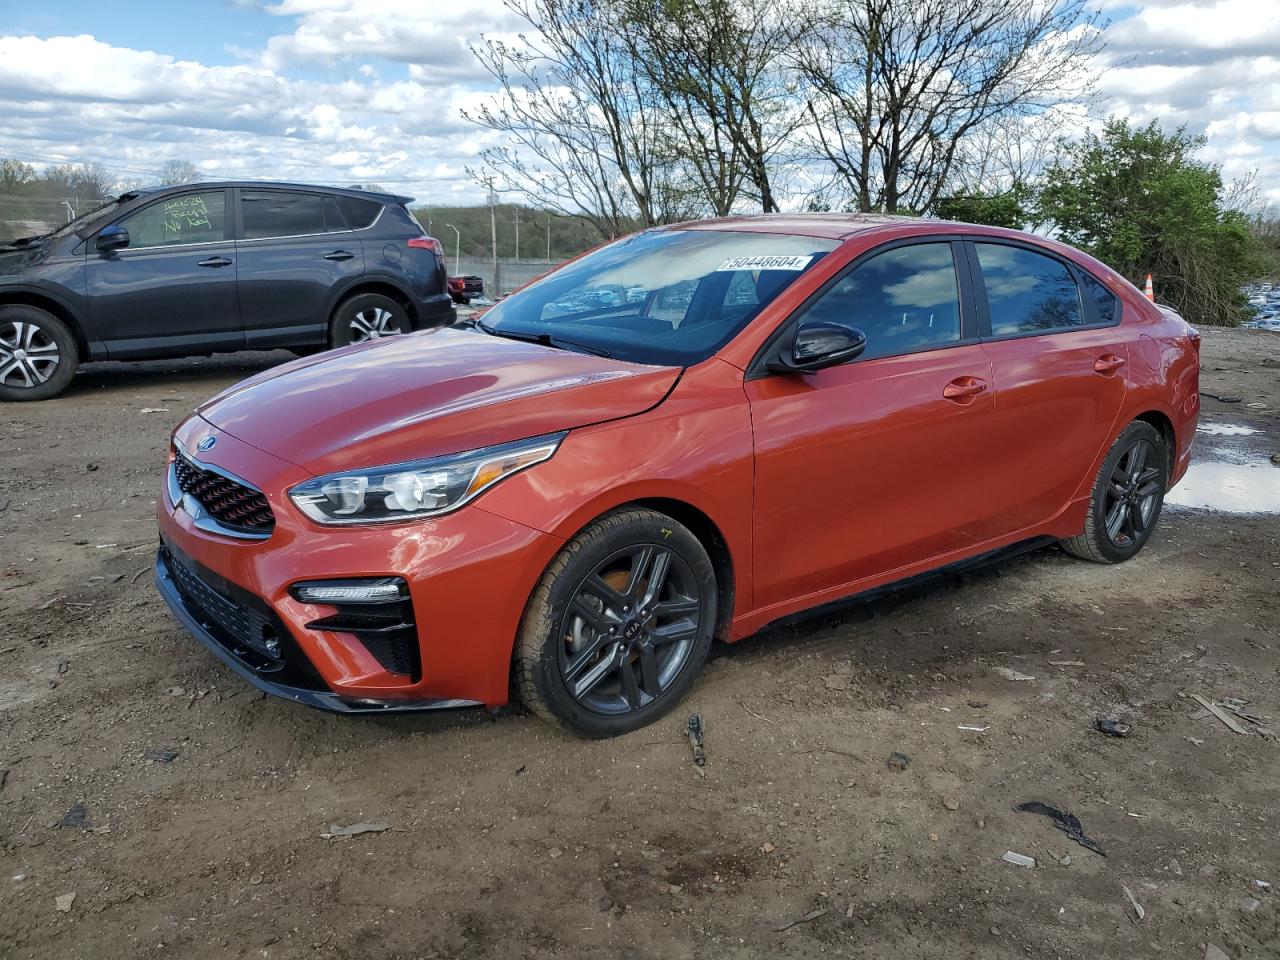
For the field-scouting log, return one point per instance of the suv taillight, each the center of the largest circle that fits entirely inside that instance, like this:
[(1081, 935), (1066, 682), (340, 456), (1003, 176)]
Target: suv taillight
[(427, 243)]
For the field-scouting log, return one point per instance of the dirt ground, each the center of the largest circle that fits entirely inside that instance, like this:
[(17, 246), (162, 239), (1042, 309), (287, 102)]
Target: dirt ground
[(509, 839)]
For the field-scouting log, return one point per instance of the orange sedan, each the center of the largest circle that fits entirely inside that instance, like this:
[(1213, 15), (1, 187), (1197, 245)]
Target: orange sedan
[(682, 436)]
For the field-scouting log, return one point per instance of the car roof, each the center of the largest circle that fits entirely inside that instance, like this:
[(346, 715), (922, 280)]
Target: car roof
[(267, 185), (836, 226)]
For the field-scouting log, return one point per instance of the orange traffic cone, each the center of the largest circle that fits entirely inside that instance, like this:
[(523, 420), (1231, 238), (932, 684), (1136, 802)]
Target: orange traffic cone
[(1148, 291)]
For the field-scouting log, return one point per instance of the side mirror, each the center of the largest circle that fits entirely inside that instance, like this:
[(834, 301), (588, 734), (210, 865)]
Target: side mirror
[(113, 237), (819, 344)]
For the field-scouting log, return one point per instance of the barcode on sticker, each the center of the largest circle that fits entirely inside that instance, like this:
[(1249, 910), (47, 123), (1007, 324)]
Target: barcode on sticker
[(764, 263)]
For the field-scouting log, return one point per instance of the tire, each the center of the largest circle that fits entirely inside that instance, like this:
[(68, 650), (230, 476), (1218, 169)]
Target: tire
[(1118, 491), (367, 316), (559, 643), (38, 354)]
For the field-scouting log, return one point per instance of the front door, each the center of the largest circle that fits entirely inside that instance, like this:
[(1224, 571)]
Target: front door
[(172, 290), (864, 468)]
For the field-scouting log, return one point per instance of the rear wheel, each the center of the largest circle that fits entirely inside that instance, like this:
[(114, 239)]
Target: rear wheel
[(619, 625), (38, 354), (1127, 496), (367, 316)]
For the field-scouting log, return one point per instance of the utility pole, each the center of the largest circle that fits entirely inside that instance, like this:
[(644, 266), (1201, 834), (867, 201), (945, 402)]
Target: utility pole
[(493, 230), (457, 249), (517, 221), (548, 236)]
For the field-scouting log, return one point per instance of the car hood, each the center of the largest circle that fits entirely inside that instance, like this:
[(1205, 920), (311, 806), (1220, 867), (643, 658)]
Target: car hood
[(14, 259), (427, 394)]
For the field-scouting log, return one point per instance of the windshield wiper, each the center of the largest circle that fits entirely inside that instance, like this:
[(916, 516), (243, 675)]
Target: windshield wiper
[(543, 339)]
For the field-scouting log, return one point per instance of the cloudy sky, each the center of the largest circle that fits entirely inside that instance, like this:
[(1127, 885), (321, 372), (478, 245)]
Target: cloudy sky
[(372, 90)]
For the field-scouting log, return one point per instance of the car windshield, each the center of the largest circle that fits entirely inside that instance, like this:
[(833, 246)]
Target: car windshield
[(86, 223), (671, 297)]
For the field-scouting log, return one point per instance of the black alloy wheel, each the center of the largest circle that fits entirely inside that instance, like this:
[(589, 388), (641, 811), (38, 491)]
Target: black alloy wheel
[(1127, 496), (619, 625)]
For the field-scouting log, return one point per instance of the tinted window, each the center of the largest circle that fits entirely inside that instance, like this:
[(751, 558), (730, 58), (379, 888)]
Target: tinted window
[(190, 218), (904, 299), (1027, 292), (359, 213), (1104, 301), (277, 214)]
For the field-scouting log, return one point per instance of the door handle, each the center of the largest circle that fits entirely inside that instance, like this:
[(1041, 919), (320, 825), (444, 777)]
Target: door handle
[(1108, 363), (339, 255), (214, 262), (963, 389)]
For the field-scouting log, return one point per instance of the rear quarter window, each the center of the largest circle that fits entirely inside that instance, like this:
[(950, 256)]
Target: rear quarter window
[(1105, 303), (357, 212)]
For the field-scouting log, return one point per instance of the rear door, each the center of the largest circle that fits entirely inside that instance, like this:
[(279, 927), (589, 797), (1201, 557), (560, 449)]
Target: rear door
[(1058, 357), (172, 290), (294, 248), (869, 466)]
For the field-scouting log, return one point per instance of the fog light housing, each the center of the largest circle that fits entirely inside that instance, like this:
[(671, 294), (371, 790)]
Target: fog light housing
[(382, 590)]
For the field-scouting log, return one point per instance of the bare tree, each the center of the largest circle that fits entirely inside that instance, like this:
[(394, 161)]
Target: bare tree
[(897, 86), (581, 124), (720, 68), (176, 172)]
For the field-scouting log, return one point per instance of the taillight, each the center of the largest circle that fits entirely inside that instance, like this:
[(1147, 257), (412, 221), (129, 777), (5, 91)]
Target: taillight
[(427, 243)]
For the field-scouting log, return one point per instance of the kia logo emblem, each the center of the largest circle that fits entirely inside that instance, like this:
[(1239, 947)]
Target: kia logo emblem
[(207, 444)]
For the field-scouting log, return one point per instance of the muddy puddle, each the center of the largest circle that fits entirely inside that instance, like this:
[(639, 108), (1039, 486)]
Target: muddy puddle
[(1231, 471)]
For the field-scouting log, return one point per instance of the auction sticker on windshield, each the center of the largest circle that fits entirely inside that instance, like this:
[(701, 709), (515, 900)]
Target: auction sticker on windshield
[(764, 263)]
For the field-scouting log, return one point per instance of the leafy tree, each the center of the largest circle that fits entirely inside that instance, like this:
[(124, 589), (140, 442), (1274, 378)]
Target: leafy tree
[(1137, 199), (1008, 209)]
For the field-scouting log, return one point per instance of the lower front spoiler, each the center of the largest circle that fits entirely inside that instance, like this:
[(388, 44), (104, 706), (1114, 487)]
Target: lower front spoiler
[(319, 699)]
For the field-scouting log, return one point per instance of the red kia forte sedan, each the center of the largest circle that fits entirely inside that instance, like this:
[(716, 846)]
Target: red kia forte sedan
[(682, 436)]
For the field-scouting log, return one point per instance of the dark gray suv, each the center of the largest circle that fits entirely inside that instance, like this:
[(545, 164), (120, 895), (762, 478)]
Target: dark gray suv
[(213, 267)]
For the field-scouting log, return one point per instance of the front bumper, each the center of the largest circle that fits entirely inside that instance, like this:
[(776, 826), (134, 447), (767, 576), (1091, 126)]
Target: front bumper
[(205, 629), (467, 576)]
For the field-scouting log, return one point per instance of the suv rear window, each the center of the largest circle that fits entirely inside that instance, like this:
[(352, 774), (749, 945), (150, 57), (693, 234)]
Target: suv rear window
[(359, 213), (274, 213)]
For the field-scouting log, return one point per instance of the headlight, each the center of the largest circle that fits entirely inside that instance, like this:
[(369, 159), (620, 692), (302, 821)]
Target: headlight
[(423, 488)]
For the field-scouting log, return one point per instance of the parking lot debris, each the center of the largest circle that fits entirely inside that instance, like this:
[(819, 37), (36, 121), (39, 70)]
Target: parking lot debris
[(899, 761), (4, 504), (1009, 674), (811, 915), (1193, 741), (1220, 714), (1068, 823), (4, 775), (1214, 952), (77, 818), (836, 681), (1262, 884), (1066, 663), (336, 830), (1250, 904), (161, 756), (1214, 396), (1112, 728), (951, 803), (693, 728), (63, 903), (154, 410), (1138, 912), (1018, 859), (974, 728)]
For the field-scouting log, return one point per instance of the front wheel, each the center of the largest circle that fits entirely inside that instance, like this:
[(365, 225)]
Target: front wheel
[(619, 625), (1127, 496), (38, 354)]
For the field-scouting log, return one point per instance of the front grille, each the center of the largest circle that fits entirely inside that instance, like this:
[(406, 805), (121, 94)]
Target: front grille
[(233, 505)]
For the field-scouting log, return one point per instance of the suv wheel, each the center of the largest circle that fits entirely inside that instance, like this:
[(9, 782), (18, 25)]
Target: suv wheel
[(619, 625), (1127, 496), (367, 316), (38, 354)]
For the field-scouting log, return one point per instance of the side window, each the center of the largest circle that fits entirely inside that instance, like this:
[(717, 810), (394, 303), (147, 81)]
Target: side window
[(1105, 303), (276, 213), (190, 218), (905, 299), (359, 213), (1027, 292)]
